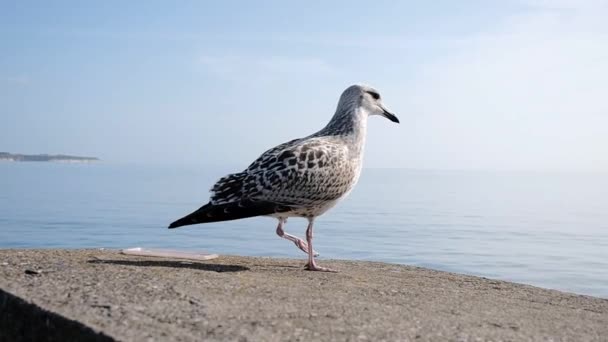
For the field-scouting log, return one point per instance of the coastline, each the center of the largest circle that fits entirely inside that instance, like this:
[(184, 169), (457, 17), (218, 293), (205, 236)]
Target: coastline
[(60, 158), (110, 296)]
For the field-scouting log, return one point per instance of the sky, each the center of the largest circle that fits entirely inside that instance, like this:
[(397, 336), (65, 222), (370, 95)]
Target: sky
[(497, 85)]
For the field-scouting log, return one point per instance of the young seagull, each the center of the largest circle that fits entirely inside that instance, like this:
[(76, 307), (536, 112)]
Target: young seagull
[(300, 178)]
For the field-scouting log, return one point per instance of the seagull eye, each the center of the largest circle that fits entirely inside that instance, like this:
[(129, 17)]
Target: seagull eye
[(375, 95)]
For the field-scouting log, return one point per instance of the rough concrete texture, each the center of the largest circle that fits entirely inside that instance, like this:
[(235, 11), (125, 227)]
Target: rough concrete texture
[(262, 299)]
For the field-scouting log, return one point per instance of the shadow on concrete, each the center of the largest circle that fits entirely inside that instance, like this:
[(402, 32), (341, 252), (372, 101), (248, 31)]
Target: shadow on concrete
[(279, 266), (24, 321), (174, 264)]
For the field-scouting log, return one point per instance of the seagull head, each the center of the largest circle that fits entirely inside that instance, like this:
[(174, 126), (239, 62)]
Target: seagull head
[(366, 98)]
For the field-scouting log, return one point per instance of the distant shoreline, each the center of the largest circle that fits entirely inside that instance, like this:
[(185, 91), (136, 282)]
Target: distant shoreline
[(10, 157)]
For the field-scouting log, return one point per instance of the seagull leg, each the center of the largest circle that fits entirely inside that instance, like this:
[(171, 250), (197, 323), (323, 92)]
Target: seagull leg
[(312, 266), (301, 244)]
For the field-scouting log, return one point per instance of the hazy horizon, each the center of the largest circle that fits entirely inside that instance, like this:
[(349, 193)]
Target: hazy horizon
[(516, 85)]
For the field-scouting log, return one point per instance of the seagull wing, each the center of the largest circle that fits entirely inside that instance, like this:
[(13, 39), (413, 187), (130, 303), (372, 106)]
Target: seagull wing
[(298, 174), (230, 202), (301, 175)]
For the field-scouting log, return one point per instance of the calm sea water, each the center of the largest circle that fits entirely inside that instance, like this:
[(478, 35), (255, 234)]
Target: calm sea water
[(549, 230)]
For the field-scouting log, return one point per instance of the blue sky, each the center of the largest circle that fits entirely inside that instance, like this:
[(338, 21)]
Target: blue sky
[(476, 84)]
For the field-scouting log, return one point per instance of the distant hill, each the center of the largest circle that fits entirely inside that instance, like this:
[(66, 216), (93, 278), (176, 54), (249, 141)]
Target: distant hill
[(5, 156)]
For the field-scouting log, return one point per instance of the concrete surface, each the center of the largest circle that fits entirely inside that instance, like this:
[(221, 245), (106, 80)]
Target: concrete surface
[(102, 295)]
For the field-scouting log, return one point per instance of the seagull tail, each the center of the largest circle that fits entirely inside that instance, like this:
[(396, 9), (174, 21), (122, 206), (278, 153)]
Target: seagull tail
[(229, 211)]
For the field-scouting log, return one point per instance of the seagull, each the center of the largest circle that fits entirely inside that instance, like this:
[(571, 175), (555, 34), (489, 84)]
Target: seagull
[(301, 178)]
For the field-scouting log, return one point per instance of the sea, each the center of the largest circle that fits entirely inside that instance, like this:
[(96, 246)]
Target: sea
[(543, 229)]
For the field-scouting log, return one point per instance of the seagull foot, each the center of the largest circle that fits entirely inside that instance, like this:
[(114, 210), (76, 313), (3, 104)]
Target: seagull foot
[(304, 247), (316, 267)]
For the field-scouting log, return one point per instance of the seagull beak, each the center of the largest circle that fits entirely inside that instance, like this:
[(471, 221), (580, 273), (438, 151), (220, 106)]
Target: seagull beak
[(389, 115)]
